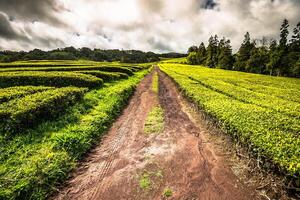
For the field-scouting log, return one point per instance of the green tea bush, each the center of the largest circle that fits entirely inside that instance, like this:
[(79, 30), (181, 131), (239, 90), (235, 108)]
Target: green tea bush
[(57, 79), (30, 110), (266, 123), (7, 94), (106, 76)]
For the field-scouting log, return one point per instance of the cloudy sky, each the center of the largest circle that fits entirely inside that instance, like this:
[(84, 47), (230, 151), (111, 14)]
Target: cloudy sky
[(156, 25)]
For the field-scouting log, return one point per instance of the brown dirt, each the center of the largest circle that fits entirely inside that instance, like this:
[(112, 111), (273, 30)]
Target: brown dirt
[(181, 158)]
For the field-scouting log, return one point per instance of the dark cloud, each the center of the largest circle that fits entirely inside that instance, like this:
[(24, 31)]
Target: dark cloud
[(209, 4), (7, 31), (159, 45), (32, 10)]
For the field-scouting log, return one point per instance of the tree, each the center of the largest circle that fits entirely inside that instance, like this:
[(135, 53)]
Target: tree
[(274, 58), (244, 53), (284, 32), (192, 49), (294, 52), (201, 54), (211, 53), (192, 58), (258, 60), (284, 63), (225, 58)]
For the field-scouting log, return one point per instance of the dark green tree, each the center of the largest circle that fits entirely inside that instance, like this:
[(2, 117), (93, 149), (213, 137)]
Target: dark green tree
[(201, 54), (244, 53), (211, 52), (192, 49), (225, 58), (294, 52), (192, 58), (259, 58)]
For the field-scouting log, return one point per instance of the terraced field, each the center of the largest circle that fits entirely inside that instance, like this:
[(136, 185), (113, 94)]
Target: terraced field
[(261, 112), (51, 113)]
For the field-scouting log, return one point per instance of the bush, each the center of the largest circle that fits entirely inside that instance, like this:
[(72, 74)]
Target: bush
[(30, 110), (57, 79), (106, 76), (10, 93)]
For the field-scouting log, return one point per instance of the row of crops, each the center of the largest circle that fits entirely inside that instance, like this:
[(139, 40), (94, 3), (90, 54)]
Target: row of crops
[(51, 115), (261, 112)]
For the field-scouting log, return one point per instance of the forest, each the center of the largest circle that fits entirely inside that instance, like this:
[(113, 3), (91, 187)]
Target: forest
[(265, 56), (71, 53)]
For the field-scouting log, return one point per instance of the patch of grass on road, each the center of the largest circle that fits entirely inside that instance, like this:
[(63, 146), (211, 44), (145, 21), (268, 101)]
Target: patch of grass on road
[(167, 192), (155, 121), (150, 179), (155, 82), (145, 182)]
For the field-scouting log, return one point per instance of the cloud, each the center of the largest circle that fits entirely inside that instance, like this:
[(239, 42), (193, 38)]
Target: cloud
[(33, 10), (209, 4), (156, 25), (7, 31)]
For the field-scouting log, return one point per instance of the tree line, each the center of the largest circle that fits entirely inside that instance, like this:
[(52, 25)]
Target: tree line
[(71, 53), (280, 58)]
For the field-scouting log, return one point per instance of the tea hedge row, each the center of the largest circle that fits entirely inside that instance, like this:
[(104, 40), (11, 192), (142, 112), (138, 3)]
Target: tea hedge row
[(106, 76), (30, 110), (56, 79), (32, 164), (76, 68), (243, 94), (268, 133), (11, 93)]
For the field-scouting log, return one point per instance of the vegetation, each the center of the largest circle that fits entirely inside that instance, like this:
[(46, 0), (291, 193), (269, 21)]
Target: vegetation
[(155, 121), (106, 76), (32, 109), (57, 79), (260, 112), (155, 82), (70, 53), (260, 56), (167, 192), (11, 93), (45, 130), (71, 68)]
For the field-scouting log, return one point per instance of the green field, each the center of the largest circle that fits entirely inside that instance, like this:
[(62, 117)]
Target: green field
[(52, 112), (261, 112)]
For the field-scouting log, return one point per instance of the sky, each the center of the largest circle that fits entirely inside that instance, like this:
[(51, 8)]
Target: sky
[(148, 25)]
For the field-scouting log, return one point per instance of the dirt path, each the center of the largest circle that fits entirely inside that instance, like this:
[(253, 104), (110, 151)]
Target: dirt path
[(175, 164)]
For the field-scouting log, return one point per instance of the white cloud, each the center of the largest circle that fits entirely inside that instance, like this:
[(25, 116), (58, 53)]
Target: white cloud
[(157, 25)]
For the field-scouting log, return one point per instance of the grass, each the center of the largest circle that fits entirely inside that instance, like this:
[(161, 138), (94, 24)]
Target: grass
[(148, 178), (35, 162), (155, 82), (145, 182), (260, 112), (155, 121), (167, 192)]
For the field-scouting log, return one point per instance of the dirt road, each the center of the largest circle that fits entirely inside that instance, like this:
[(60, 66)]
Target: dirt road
[(175, 164)]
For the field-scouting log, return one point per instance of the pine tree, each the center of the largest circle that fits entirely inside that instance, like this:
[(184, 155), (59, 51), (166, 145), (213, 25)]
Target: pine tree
[(258, 60), (274, 58), (284, 64), (225, 58), (201, 54), (294, 52), (211, 52), (284, 32), (244, 53)]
